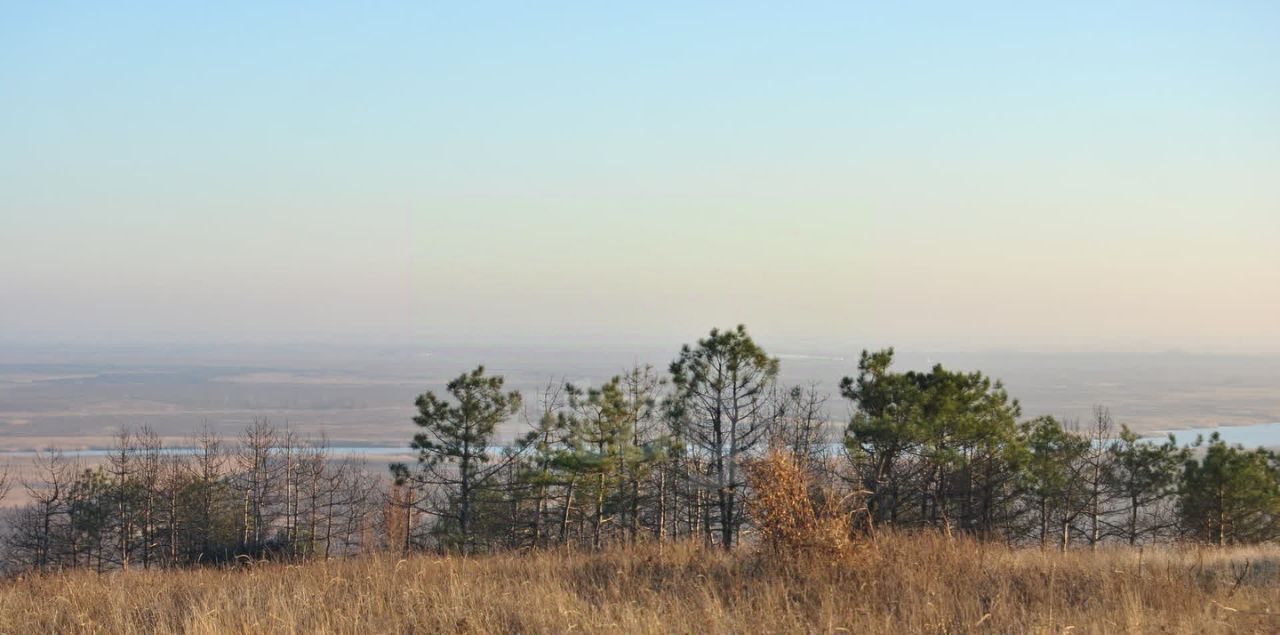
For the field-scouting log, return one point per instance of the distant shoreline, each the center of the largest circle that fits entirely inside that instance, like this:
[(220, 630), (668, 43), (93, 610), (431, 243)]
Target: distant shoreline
[(1261, 434)]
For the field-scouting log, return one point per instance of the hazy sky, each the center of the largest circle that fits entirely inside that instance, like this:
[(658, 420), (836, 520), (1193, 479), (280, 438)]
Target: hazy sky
[(953, 174)]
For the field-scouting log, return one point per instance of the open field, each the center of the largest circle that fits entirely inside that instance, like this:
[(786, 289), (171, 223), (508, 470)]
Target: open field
[(898, 584)]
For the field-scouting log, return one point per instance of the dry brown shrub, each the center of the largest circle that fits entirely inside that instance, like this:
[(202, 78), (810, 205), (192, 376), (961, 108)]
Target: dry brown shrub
[(793, 515)]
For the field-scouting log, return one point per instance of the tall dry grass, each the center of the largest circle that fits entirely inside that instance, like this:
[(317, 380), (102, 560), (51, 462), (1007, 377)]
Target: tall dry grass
[(900, 583)]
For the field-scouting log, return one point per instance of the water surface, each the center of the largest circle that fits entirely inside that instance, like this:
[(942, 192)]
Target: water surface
[(1265, 435)]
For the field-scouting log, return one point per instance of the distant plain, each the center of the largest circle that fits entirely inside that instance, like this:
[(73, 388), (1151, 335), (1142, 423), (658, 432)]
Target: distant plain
[(364, 397)]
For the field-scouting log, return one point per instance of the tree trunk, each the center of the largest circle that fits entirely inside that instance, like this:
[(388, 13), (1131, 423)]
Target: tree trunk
[(568, 505), (1133, 521)]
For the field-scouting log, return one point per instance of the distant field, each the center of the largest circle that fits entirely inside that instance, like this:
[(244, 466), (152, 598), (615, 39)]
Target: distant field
[(56, 401), (901, 584)]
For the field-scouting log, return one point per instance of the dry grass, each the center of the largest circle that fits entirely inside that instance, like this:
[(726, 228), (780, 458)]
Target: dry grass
[(899, 584)]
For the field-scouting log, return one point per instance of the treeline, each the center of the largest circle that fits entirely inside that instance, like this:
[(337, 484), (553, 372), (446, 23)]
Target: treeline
[(651, 456), (268, 495)]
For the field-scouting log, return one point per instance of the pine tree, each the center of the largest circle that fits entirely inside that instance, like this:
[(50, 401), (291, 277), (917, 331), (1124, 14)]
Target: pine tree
[(455, 447), (1053, 487), (1144, 476), (1231, 495), (722, 390)]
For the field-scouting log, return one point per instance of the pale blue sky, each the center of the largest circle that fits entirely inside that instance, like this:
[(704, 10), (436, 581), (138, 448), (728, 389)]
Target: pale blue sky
[(1090, 175)]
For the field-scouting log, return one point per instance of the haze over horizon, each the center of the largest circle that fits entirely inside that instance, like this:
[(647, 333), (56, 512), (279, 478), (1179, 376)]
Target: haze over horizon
[(935, 177)]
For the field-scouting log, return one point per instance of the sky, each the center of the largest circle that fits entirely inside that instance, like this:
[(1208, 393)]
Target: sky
[(950, 175)]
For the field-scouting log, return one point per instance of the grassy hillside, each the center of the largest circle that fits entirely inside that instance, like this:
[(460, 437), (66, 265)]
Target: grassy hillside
[(898, 584)]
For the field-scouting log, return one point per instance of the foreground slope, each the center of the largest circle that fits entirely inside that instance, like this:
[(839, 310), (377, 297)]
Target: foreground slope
[(899, 584)]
